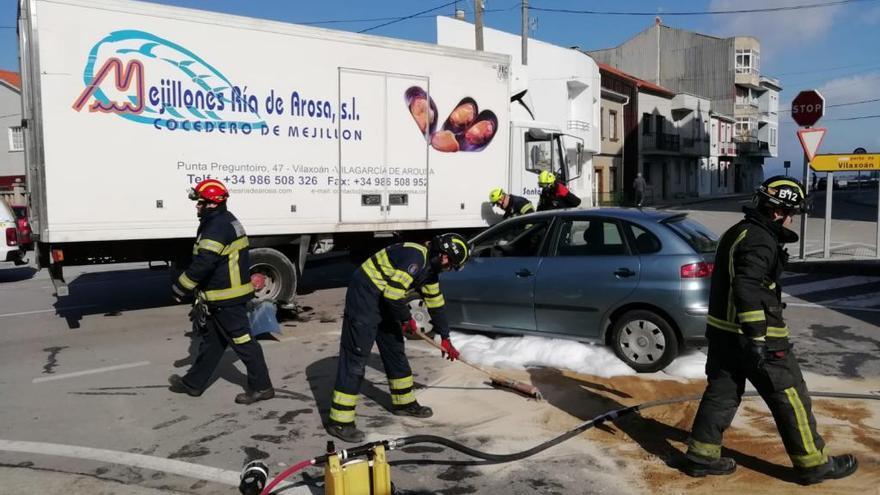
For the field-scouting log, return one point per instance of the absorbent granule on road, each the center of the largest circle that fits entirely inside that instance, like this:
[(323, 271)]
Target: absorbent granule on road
[(593, 359)]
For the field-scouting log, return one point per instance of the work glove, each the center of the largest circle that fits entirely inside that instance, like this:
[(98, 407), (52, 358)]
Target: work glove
[(449, 350), (756, 353), (409, 327)]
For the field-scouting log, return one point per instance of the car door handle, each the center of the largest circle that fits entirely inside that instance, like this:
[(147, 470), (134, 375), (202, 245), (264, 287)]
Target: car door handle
[(524, 272), (624, 272)]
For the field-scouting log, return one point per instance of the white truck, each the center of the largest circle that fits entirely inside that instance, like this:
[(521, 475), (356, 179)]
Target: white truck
[(323, 137)]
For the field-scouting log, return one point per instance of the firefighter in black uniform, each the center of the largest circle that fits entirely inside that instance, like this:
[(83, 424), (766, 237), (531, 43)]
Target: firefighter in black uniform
[(376, 310), (749, 340), (554, 193), (512, 205), (219, 277)]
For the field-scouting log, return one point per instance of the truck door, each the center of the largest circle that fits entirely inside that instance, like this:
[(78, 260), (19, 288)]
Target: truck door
[(382, 178)]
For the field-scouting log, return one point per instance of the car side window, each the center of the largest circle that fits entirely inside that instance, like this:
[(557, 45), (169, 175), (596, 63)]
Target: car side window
[(593, 237), (645, 242), (519, 239)]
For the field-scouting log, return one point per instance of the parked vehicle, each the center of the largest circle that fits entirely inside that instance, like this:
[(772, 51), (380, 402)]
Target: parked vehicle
[(635, 280), (362, 141), (10, 245), (23, 226)]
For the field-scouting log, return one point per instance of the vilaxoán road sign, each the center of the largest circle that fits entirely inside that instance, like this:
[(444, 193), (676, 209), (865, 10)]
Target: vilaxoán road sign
[(843, 163)]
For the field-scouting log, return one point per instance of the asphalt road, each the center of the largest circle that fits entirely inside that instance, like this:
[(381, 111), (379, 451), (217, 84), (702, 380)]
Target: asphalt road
[(86, 407)]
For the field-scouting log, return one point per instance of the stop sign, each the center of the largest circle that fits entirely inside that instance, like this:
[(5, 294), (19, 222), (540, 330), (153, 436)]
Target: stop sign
[(807, 107)]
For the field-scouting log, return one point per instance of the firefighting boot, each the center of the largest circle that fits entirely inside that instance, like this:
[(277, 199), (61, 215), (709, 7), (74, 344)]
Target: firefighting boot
[(838, 466), (346, 432), (254, 396), (413, 409), (178, 386), (699, 467)]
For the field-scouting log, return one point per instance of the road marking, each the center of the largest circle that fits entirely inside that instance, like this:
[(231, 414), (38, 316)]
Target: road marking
[(831, 283), (89, 372), (835, 306), (38, 311), (161, 464)]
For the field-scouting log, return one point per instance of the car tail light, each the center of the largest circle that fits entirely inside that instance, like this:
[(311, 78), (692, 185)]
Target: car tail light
[(697, 270), (11, 237), (57, 255)]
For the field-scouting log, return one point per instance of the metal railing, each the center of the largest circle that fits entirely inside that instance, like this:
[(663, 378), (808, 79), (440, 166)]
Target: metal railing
[(662, 142), (579, 125)]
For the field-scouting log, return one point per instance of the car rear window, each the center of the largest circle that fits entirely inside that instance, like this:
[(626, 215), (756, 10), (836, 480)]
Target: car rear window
[(697, 235)]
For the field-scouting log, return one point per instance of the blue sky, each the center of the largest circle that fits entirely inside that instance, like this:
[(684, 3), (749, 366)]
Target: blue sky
[(831, 49)]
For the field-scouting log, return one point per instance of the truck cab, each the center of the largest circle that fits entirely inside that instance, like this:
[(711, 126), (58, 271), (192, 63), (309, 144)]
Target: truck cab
[(538, 146)]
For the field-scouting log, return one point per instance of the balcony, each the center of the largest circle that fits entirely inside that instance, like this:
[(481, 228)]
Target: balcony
[(661, 142), (726, 149)]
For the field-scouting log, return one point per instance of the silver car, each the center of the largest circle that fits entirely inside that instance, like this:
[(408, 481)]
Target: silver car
[(637, 280)]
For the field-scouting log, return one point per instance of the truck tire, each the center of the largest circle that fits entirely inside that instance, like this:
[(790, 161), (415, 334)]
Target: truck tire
[(277, 272), (644, 340)]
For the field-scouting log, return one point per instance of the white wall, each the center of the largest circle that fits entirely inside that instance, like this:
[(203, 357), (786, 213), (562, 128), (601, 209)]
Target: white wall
[(11, 162)]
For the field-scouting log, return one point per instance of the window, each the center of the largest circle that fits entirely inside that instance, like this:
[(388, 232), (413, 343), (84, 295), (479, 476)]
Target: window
[(590, 238), (612, 124), (16, 139), (747, 62), (694, 233), (602, 123), (540, 155), (646, 123), (745, 127), (646, 172), (772, 136), (519, 239), (645, 242), (680, 172), (660, 124)]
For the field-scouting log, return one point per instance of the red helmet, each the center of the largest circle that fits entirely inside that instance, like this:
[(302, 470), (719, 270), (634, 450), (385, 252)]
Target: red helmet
[(209, 190)]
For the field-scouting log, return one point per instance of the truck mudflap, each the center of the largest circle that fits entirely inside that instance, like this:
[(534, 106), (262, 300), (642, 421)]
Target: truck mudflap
[(56, 269)]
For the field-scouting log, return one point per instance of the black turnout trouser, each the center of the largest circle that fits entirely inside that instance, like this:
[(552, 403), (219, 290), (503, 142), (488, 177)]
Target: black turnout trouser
[(366, 320), (228, 325), (779, 382)]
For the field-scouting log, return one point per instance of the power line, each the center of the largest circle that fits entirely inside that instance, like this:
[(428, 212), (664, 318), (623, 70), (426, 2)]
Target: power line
[(699, 12), (407, 17), (380, 19)]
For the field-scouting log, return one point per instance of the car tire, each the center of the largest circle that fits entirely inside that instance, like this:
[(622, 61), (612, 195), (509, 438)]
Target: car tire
[(644, 340), (279, 272), (419, 311)]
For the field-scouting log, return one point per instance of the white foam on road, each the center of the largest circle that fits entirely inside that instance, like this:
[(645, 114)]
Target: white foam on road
[(161, 464), (591, 359)]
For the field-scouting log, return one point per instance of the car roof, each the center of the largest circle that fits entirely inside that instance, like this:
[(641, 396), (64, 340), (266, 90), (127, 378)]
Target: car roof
[(634, 214)]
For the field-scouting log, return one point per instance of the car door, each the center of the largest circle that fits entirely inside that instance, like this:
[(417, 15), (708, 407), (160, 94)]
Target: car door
[(589, 269), (495, 289)]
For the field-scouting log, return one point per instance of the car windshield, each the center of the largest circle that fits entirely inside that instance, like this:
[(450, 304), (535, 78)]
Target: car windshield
[(697, 235)]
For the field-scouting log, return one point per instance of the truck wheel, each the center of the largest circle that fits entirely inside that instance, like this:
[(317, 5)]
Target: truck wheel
[(644, 341), (273, 275), (419, 312)]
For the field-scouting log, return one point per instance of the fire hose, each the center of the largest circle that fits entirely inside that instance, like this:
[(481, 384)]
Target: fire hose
[(486, 458)]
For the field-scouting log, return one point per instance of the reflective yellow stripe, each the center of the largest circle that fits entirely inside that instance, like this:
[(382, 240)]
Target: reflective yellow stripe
[(393, 293), (772, 285), (231, 293), (186, 282), (526, 208), (431, 289), (400, 383), (234, 272), (433, 302), (341, 416), (209, 245), (344, 399), (422, 249), (707, 450), (399, 276), (403, 399), (751, 316), (236, 245), (371, 271), (787, 182), (803, 426), (778, 332), (463, 246), (810, 460), (723, 325), (244, 339), (731, 307)]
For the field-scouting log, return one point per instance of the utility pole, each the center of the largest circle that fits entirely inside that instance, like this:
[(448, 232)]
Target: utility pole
[(525, 32), (478, 23)]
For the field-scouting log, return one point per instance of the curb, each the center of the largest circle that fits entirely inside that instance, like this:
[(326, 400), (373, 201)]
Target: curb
[(868, 267)]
